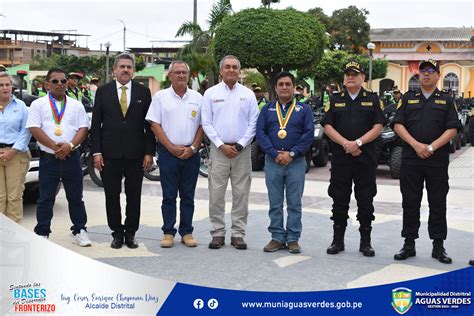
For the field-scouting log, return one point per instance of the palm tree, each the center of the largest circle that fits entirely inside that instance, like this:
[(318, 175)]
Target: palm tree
[(199, 53)]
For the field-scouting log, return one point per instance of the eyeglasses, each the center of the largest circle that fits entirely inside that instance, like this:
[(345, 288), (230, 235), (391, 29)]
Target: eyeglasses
[(56, 81), (428, 70)]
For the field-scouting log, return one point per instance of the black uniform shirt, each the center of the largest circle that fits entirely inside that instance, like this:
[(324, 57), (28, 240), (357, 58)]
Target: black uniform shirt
[(352, 119), (426, 120)]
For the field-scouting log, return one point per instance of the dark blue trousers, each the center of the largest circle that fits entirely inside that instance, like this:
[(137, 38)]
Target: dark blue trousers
[(51, 171), (178, 176)]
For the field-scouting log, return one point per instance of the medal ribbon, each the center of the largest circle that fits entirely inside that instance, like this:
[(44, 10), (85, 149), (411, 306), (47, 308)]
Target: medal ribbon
[(283, 120), (56, 115)]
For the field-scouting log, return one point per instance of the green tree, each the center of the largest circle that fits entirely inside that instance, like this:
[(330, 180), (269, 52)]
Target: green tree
[(199, 52), (331, 68), (251, 77), (321, 16), (271, 40), (348, 29)]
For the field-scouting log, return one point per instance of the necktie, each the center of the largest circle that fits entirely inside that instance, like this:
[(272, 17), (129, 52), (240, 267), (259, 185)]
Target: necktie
[(123, 100)]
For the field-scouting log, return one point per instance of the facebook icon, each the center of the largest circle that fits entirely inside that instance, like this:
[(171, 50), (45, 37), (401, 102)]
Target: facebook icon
[(198, 303)]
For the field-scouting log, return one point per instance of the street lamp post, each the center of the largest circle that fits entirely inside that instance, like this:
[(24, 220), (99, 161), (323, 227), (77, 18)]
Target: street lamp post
[(370, 47), (107, 47), (124, 33)]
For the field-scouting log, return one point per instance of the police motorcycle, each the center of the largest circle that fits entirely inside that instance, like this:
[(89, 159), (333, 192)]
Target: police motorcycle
[(464, 113), (320, 148), (388, 145)]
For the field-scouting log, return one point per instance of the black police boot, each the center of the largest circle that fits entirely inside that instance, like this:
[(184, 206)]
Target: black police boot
[(407, 251), (365, 246), (471, 262), (337, 244), (439, 252)]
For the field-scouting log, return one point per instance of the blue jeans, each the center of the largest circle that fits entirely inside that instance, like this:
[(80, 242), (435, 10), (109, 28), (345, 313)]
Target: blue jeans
[(178, 176), (279, 179), (51, 171)]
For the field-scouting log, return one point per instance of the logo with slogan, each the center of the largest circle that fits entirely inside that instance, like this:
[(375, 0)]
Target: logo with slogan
[(198, 303), (212, 303), (193, 113), (401, 300)]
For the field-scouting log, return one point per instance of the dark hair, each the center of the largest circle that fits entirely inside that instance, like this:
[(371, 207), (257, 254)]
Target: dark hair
[(124, 56), (54, 70), (284, 74)]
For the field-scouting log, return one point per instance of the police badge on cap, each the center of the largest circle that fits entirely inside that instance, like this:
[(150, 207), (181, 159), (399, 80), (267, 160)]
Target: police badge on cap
[(429, 63), (354, 66)]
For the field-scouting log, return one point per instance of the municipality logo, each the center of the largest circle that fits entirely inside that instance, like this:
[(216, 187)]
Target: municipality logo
[(401, 300)]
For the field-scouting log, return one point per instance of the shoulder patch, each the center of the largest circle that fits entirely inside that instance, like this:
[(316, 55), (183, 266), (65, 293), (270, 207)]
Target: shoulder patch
[(327, 105), (399, 105)]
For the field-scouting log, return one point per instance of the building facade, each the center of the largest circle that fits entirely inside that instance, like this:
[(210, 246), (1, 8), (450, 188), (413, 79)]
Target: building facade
[(404, 48)]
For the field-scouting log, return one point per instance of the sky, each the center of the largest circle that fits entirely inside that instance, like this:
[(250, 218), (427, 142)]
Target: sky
[(158, 20)]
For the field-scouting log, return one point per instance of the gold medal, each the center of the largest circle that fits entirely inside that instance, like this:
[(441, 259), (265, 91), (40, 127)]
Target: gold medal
[(282, 134), (283, 121), (58, 131)]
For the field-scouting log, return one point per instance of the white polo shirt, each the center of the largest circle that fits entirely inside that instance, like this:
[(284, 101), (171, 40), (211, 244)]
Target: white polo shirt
[(179, 117), (41, 116), (229, 116)]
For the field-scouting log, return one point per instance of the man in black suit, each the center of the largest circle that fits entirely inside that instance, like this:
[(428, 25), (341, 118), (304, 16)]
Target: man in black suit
[(122, 145)]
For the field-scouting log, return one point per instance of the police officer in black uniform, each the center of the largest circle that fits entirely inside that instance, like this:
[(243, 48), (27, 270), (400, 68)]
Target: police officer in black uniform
[(353, 121), (426, 120)]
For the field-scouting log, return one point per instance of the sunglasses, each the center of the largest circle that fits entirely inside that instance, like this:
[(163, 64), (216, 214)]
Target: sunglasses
[(428, 70), (56, 81)]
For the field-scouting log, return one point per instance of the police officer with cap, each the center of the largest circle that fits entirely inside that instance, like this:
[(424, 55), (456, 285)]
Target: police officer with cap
[(426, 120), (72, 90), (260, 95), (353, 121)]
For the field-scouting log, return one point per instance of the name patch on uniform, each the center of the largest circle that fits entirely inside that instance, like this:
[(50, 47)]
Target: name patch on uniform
[(218, 100), (413, 101), (339, 105), (243, 99), (366, 103), (440, 101)]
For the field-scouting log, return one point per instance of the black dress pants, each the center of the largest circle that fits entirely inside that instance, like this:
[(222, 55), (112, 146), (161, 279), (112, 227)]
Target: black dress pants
[(113, 172), (412, 180)]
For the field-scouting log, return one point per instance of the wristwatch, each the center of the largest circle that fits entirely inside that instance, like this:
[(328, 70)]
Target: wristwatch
[(292, 154), (430, 149), (359, 142), (72, 146), (238, 147), (194, 149)]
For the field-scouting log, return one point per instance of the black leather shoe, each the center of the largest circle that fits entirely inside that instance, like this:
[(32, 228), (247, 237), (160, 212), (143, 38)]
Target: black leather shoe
[(405, 253), (335, 248), (471, 262), (367, 250), (131, 242), (217, 242), (441, 255), (117, 243)]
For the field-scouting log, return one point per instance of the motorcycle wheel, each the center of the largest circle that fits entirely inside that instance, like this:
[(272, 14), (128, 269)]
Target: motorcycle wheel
[(94, 173), (395, 162), (205, 162), (154, 173), (84, 159), (322, 159)]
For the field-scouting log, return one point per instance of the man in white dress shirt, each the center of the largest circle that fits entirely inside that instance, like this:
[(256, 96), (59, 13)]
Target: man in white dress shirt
[(175, 117), (59, 124), (229, 116)]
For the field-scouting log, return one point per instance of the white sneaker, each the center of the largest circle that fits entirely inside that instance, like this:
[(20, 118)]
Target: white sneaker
[(82, 239)]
